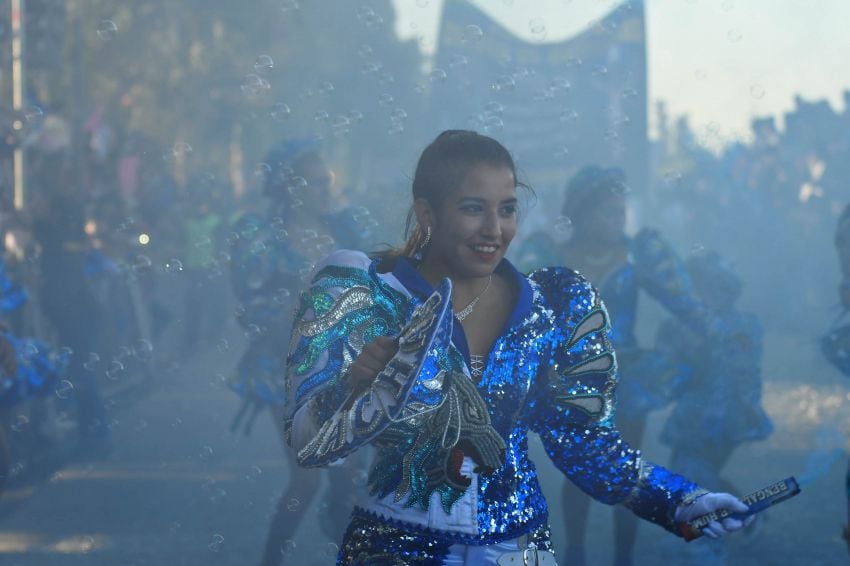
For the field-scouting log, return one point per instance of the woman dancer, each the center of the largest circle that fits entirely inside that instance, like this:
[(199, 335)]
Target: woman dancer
[(622, 267), (452, 482), (271, 252), (836, 344)]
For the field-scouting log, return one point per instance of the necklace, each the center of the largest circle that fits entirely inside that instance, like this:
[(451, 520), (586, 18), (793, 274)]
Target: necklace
[(467, 310)]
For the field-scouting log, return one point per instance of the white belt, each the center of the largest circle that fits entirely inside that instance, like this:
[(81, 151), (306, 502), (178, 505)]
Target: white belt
[(527, 557)]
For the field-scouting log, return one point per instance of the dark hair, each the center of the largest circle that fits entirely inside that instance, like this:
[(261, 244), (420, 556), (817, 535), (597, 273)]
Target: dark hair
[(589, 186), (281, 164), (442, 168)]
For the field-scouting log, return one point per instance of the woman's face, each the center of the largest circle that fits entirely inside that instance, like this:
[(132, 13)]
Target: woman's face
[(475, 225), (606, 221), (310, 186)]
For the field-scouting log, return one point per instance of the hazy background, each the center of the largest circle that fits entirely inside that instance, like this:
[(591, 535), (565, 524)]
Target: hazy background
[(729, 118)]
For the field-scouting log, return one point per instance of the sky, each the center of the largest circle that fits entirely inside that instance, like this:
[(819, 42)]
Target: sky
[(720, 62)]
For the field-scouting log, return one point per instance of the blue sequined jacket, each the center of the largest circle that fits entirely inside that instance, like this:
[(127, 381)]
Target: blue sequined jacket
[(552, 371)]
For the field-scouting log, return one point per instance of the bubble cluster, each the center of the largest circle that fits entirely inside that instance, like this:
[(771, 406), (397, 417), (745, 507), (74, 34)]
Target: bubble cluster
[(369, 17)]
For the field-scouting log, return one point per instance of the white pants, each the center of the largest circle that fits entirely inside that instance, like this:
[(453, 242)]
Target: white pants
[(486, 555), (468, 555)]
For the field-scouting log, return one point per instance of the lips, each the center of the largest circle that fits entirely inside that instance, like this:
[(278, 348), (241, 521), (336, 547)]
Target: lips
[(485, 248), (485, 252)]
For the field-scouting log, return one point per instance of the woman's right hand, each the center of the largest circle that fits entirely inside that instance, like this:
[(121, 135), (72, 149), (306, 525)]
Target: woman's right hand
[(371, 361)]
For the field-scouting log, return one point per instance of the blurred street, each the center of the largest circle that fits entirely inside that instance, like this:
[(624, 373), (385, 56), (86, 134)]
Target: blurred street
[(172, 173), (179, 488)]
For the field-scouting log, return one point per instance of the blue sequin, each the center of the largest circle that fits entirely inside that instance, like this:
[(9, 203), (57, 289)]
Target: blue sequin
[(553, 372)]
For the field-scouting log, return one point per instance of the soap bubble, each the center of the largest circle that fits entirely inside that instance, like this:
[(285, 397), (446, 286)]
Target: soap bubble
[(280, 111), (563, 225), (64, 389), (472, 34), (438, 75), (106, 30), (264, 64), (538, 29), (504, 83), (173, 265), (757, 91), (216, 542)]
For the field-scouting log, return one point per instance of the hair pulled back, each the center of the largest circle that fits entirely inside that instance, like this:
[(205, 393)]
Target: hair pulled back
[(442, 168), (589, 187)]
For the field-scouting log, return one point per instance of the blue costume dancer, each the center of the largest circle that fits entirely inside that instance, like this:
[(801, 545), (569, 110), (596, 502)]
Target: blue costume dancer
[(38, 367), (718, 403), (622, 267), (452, 482), (836, 344), (28, 367), (270, 254)]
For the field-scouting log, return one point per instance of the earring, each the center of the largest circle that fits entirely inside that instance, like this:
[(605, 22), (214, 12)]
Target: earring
[(427, 238)]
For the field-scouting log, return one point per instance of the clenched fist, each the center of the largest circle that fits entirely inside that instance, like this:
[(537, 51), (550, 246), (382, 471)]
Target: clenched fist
[(371, 361)]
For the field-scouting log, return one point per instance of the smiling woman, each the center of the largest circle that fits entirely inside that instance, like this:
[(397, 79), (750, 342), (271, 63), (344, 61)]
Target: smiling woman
[(448, 401)]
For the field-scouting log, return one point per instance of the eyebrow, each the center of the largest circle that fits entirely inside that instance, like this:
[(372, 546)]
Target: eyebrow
[(479, 200)]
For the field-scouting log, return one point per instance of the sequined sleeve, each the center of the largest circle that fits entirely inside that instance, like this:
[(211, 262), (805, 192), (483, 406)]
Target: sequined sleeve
[(345, 308), (573, 403)]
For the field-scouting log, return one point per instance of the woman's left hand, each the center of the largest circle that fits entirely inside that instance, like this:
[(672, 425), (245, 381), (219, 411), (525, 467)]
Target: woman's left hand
[(713, 502)]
